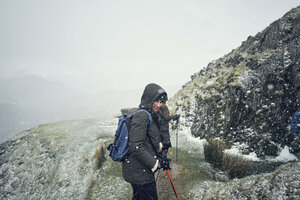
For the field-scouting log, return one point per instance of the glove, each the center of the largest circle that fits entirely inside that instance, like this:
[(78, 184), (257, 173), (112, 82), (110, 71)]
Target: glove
[(164, 163), (166, 145), (176, 117)]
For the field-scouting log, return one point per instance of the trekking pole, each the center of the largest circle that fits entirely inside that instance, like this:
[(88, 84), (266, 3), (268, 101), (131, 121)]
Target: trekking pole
[(177, 140), (157, 176), (172, 184)]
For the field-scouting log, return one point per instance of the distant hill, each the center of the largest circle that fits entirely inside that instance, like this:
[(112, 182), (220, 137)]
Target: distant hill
[(29, 100)]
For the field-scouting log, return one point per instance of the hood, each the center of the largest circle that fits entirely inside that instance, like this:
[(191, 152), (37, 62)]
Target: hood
[(151, 92)]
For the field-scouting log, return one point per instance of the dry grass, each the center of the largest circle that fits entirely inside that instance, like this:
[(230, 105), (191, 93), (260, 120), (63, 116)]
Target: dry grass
[(213, 152), (100, 156), (234, 166), (89, 189)]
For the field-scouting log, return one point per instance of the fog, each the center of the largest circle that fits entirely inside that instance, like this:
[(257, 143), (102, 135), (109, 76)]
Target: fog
[(75, 59)]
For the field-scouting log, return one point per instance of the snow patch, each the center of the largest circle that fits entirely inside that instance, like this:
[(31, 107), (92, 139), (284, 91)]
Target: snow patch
[(188, 142), (285, 156), (235, 151)]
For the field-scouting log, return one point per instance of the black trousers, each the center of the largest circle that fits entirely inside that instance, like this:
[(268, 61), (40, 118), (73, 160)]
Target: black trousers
[(144, 192)]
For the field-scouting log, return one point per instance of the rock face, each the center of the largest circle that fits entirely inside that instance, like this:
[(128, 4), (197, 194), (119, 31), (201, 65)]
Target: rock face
[(249, 95)]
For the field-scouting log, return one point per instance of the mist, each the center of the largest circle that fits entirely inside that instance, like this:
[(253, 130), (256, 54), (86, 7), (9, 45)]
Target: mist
[(30, 100), (66, 60)]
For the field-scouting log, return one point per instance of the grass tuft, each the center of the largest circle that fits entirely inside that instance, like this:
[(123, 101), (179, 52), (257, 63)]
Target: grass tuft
[(234, 166), (213, 152), (89, 189), (99, 156)]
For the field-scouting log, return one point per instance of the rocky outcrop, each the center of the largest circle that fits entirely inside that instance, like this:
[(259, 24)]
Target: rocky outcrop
[(249, 95), (283, 183)]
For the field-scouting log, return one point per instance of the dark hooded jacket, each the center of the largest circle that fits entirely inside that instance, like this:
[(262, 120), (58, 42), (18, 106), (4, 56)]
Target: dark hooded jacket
[(295, 122), (143, 141)]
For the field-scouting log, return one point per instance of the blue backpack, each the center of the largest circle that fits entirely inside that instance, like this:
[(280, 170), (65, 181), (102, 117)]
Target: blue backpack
[(295, 123), (119, 149)]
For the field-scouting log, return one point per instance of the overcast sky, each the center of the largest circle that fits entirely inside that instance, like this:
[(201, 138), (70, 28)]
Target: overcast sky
[(96, 45)]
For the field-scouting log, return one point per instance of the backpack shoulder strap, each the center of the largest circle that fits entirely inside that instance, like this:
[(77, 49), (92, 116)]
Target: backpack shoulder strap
[(149, 115)]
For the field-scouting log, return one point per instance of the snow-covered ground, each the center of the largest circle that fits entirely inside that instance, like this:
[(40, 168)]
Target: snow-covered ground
[(55, 161), (192, 144), (283, 183), (52, 161), (187, 142)]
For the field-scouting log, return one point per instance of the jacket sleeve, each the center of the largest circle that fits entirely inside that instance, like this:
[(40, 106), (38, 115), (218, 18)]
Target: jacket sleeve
[(137, 139)]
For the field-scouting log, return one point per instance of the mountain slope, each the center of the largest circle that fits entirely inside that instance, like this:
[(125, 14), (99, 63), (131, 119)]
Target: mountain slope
[(57, 161), (249, 95), (53, 161)]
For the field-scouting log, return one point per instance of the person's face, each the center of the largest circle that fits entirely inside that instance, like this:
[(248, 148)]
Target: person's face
[(156, 105)]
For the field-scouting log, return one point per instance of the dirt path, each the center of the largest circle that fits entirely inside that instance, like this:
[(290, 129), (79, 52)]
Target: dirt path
[(164, 187)]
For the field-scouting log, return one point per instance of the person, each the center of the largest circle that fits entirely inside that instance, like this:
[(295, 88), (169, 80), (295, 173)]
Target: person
[(295, 123), (164, 118), (295, 136), (145, 144)]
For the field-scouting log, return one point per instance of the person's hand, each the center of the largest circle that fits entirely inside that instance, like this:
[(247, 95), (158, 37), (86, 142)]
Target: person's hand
[(298, 125), (164, 163), (176, 117), (166, 145)]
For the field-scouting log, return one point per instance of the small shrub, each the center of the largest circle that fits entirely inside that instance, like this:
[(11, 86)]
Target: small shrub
[(235, 166), (213, 152)]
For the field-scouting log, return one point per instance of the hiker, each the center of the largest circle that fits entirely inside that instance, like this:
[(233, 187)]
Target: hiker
[(295, 123), (295, 136), (145, 144), (164, 118)]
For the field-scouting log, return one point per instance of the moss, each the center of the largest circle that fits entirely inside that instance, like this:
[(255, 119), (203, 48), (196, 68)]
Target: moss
[(220, 121), (187, 104), (231, 76), (212, 85), (200, 110), (265, 54)]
